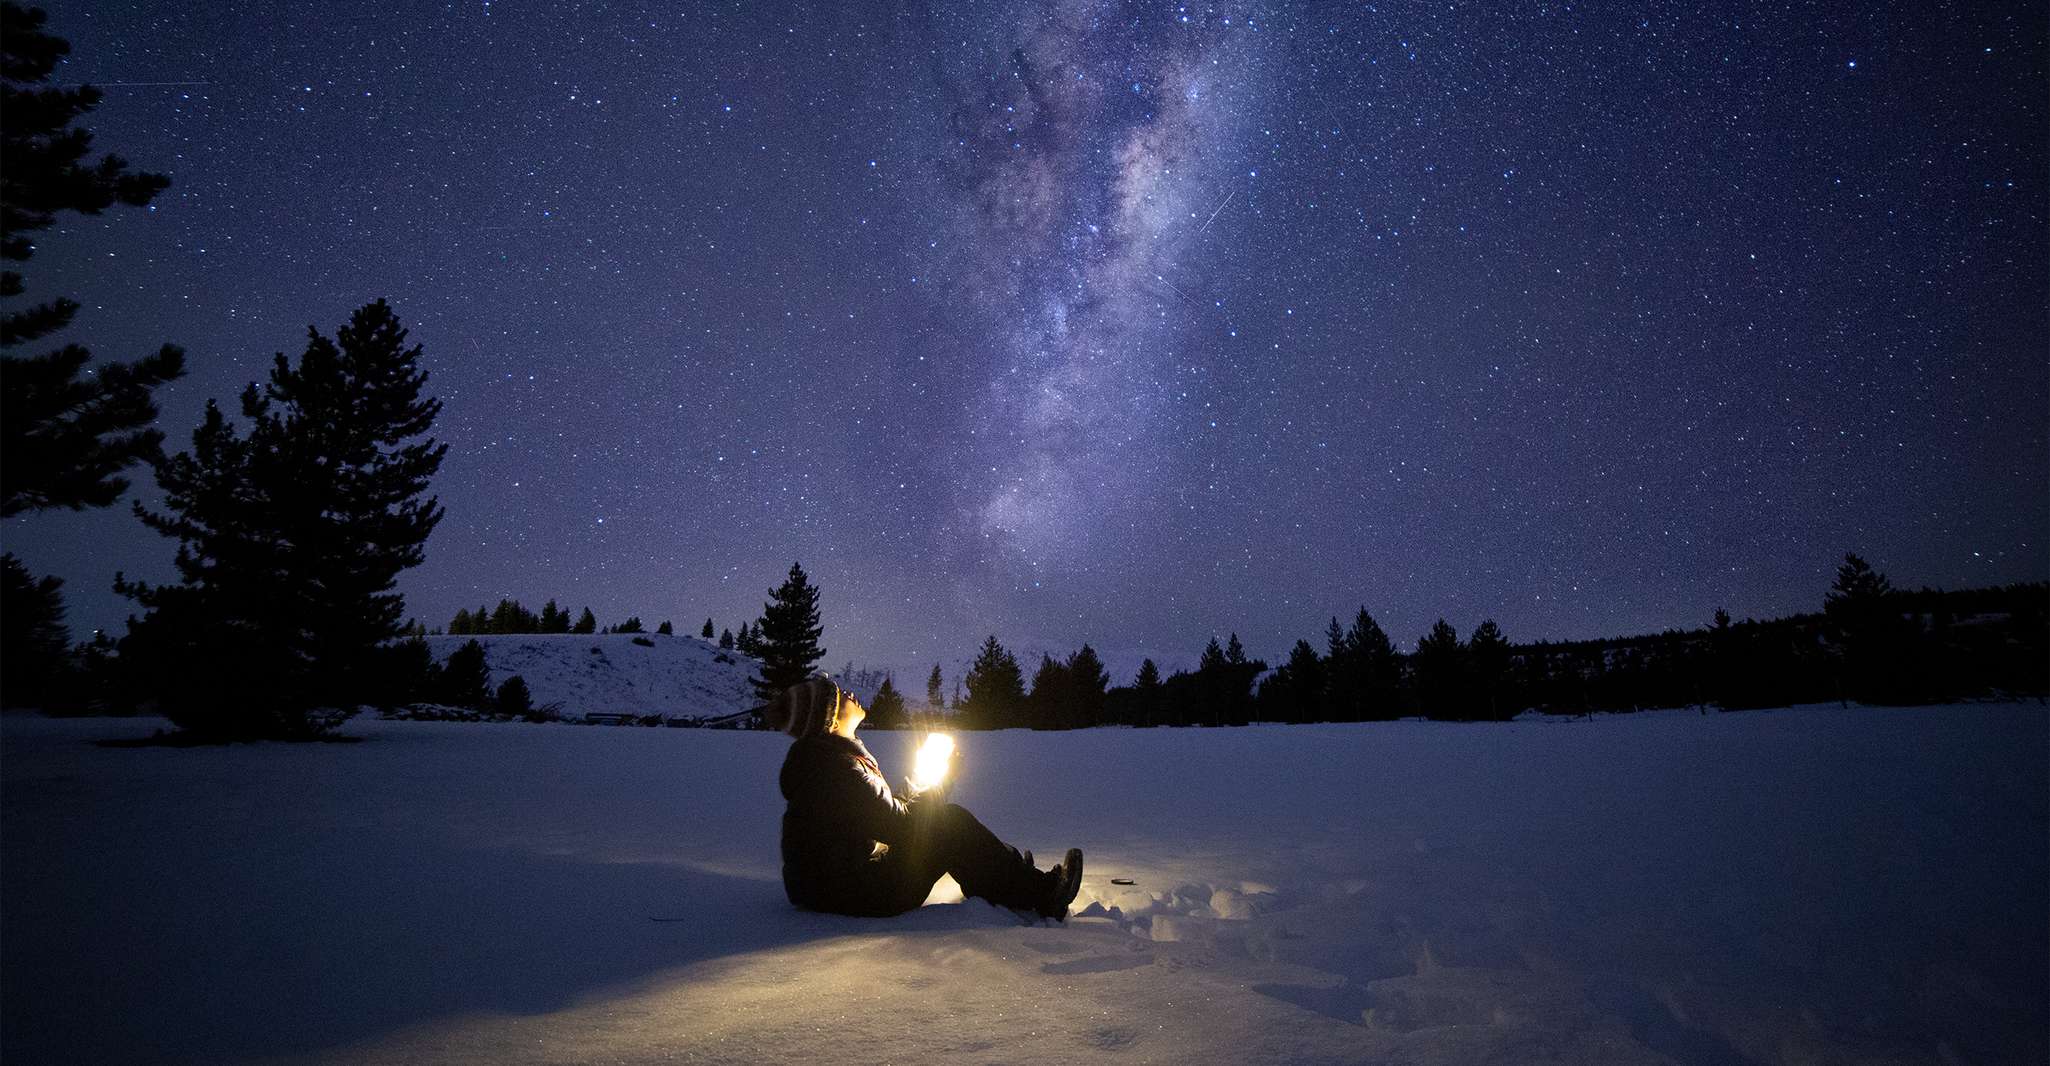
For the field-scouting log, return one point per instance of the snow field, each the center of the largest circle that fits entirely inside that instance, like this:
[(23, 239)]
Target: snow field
[(1804, 886)]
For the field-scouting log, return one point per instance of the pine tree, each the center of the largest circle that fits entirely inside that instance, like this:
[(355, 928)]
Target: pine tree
[(1857, 585), (707, 631), (1046, 707), (464, 681), (726, 640), (1729, 681), (1880, 653), (586, 622), (1377, 670), (1210, 691), (995, 697), (513, 699), (665, 629), (554, 619), (935, 689), (1487, 658), (788, 639), (1148, 676), (67, 438), (461, 624), (1087, 682), (404, 674), (67, 435), (1345, 676), (886, 710), (291, 539), (1441, 672), (1224, 684), (631, 625), (33, 640), (1146, 693), (1299, 689)]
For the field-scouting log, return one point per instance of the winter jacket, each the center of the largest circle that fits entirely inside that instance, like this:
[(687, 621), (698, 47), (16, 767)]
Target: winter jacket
[(840, 823)]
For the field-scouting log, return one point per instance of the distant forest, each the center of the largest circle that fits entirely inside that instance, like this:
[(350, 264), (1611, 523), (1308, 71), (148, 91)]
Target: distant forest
[(1869, 644), (512, 617)]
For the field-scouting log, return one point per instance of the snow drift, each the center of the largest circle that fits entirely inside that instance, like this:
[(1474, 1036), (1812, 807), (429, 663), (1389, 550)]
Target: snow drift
[(617, 673)]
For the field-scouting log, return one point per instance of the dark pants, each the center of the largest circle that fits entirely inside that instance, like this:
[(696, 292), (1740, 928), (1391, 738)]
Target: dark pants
[(945, 839)]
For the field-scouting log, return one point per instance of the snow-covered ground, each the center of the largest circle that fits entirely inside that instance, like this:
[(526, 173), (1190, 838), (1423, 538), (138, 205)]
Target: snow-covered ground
[(1807, 886), (610, 674)]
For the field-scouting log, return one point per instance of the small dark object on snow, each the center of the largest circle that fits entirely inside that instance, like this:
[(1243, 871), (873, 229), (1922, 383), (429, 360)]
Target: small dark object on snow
[(1123, 881)]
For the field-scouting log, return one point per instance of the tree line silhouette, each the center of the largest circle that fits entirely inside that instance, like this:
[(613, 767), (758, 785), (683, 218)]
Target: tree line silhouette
[(1870, 644), (511, 618)]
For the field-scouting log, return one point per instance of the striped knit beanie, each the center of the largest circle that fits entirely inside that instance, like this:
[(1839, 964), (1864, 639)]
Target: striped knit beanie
[(808, 708)]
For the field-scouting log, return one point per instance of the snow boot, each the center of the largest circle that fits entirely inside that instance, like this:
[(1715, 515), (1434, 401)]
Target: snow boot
[(1063, 882)]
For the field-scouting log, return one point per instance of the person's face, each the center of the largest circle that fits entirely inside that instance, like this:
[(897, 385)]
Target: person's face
[(851, 714)]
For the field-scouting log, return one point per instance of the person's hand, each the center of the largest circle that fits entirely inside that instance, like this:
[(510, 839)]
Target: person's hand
[(935, 794), (944, 788)]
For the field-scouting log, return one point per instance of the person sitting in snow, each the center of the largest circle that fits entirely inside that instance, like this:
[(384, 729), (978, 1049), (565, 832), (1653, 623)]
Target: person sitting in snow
[(851, 846)]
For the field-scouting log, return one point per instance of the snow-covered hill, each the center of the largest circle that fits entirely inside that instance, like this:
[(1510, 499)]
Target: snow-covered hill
[(1816, 885), (612, 674)]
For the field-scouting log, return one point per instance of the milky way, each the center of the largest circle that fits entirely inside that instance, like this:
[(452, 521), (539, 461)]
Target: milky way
[(1084, 166), (1123, 323)]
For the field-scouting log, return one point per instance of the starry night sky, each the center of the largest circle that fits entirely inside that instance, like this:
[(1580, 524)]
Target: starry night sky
[(1126, 324)]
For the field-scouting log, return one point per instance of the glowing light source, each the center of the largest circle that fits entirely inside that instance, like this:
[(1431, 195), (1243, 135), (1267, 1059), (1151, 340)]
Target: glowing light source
[(933, 760)]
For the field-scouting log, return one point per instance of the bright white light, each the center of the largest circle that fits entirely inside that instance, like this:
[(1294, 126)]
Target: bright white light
[(931, 767)]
